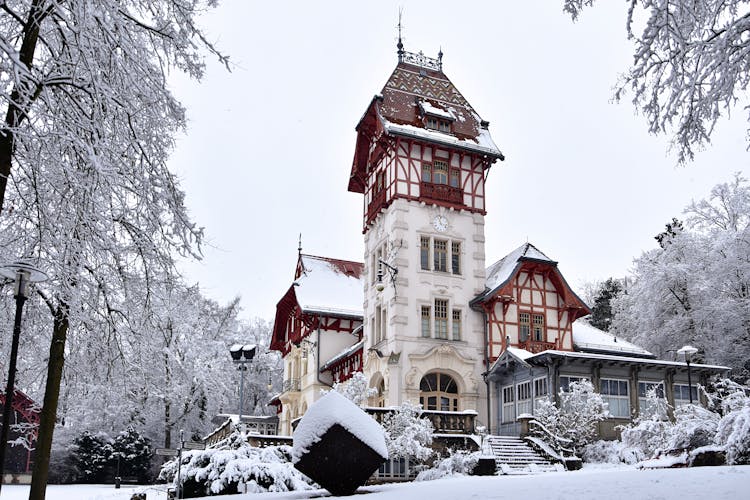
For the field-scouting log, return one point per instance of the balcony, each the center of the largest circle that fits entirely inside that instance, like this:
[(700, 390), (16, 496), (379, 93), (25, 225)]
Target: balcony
[(534, 346), (442, 192), (290, 385), (377, 203), (443, 422)]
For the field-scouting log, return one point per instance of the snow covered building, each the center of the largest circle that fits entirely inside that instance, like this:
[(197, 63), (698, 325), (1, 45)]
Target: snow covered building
[(423, 317)]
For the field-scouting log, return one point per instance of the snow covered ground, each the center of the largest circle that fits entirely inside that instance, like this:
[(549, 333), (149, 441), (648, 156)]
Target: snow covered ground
[(615, 483)]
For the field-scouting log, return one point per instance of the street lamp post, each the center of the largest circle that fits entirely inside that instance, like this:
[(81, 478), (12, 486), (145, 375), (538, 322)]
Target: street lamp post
[(242, 355), (22, 274), (688, 352)]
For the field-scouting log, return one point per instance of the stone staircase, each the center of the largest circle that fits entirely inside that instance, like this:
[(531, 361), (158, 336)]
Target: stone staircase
[(513, 455)]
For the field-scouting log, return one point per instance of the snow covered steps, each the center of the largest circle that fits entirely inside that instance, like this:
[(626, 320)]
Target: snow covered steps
[(514, 456)]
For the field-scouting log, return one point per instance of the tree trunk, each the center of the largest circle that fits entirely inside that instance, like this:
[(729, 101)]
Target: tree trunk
[(20, 98), (49, 410)]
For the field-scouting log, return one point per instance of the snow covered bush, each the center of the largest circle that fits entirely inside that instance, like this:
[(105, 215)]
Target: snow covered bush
[(134, 453), (90, 455), (221, 471), (458, 463), (576, 418), (733, 430), (694, 426), (609, 452), (407, 435)]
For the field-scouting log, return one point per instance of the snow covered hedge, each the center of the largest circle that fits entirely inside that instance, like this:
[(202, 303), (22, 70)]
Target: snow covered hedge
[(221, 471), (724, 427), (458, 463)]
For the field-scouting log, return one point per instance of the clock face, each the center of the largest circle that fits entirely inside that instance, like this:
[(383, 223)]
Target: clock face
[(440, 223)]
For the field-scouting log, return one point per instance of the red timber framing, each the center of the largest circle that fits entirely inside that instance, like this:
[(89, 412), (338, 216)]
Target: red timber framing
[(535, 288), (343, 369), (27, 412), (292, 324), (397, 172)]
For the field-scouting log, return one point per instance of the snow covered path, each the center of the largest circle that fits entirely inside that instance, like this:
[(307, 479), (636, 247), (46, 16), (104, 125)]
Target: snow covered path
[(714, 483)]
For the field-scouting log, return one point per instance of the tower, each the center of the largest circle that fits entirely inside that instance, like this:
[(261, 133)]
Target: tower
[(421, 159)]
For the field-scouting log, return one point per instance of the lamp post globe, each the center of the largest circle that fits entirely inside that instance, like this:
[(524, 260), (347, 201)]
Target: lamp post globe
[(21, 273), (242, 354)]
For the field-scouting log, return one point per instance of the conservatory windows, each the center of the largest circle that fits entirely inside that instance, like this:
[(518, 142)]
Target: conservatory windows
[(616, 394), (650, 394), (523, 397), (682, 394), (566, 380), (540, 390), (509, 404)]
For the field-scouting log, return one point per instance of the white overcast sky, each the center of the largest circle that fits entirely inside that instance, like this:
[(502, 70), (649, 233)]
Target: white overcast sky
[(269, 147)]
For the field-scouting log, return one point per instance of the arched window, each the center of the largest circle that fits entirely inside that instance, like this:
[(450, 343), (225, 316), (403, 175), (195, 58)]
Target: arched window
[(438, 391)]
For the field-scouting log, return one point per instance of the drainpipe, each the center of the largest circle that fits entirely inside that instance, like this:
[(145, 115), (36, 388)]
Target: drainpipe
[(487, 370)]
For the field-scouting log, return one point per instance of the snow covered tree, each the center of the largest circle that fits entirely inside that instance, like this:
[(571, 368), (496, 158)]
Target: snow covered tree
[(88, 125), (601, 311), (407, 435), (691, 64), (576, 417), (133, 452), (90, 455), (356, 389), (695, 289)]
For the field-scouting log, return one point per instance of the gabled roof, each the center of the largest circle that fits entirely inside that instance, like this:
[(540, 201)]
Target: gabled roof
[(500, 277), (322, 287), (329, 286), (412, 92)]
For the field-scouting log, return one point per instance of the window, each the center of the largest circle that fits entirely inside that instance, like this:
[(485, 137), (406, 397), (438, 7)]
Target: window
[(426, 321), (424, 253), (682, 394), (456, 324), (538, 327), (616, 394), (438, 391), (435, 123), (523, 393), (440, 256), (509, 405), (441, 319), (456, 257), (566, 380), (648, 406), (540, 390), (445, 253), (455, 177), (524, 326), (436, 172), (377, 336)]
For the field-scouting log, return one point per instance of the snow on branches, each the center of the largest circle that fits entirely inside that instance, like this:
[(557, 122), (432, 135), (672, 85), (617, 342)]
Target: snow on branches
[(581, 408), (691, 64)]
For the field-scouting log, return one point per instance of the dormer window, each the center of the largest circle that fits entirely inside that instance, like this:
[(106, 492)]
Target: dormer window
[(437, 124), (436, 118)]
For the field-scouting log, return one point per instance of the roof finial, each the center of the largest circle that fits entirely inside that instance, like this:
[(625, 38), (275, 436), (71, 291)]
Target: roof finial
[(299, 245), (400, 44), (440, 58)]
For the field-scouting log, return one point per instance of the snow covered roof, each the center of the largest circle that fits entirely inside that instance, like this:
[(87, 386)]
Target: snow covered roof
[(539, 358), (587, 338), (499, 272), (331, 409), (330, 286)]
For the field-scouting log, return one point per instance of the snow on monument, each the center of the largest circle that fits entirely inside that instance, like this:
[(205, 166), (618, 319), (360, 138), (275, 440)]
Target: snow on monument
[(338, 445)]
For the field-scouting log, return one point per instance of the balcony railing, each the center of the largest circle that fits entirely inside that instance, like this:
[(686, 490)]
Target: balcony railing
[(443, 422), (291, 385), (442, 192), (535, 346), (378, 201)]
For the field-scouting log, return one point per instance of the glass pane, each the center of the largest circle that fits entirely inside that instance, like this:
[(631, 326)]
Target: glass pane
[(432, 403)]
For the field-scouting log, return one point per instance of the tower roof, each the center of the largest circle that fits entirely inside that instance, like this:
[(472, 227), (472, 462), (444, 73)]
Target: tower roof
[(417, 89)]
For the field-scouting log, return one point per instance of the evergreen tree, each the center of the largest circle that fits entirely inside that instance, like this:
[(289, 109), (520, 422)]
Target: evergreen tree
[(601, 312), (90, 454), (134, 453)]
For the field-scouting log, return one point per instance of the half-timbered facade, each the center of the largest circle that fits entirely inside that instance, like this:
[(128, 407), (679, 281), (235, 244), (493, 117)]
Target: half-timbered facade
[(425, 320), (22, 435), (317, 318)]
